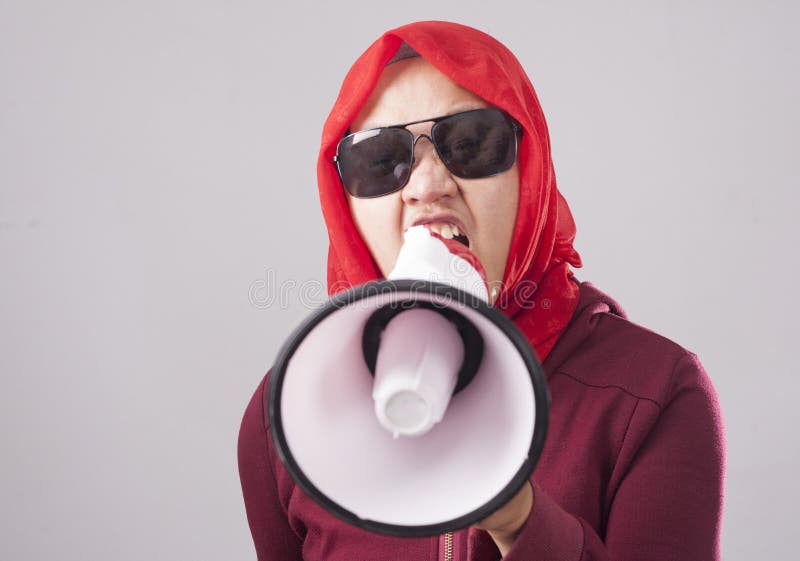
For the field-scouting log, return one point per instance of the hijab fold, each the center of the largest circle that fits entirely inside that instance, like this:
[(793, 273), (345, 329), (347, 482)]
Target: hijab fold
[(538, 290)]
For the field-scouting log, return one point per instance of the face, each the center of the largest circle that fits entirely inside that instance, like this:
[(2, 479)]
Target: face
[(483, 210)]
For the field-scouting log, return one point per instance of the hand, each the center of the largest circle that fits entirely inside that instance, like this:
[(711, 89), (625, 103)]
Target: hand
[(505, 524)]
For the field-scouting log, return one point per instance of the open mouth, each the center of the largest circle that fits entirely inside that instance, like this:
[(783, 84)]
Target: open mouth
[(448, 231)]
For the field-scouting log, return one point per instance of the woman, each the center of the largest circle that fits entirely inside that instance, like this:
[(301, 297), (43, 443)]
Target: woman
[(632, 467)]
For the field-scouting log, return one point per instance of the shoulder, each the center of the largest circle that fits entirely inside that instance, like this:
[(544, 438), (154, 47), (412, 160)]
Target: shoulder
[(610, 351), (253, 430)]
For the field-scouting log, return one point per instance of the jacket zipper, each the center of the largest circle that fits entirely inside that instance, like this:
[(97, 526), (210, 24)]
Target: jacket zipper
[(448, 546)]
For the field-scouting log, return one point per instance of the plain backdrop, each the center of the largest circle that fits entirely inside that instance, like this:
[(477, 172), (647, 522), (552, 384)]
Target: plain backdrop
[(160, 235)]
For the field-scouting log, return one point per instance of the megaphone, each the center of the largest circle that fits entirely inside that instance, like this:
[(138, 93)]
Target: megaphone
[(410, 406)]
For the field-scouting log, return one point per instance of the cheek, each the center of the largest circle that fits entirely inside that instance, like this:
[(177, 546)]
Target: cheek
[(378, 221), (508, 218), (496, 214)]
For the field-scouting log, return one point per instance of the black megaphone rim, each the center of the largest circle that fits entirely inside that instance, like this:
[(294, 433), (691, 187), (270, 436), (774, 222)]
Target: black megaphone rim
[(412, 287)]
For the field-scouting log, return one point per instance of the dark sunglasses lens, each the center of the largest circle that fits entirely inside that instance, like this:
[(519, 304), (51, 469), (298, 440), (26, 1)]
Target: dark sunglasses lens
[(476, 144), (375, 162)]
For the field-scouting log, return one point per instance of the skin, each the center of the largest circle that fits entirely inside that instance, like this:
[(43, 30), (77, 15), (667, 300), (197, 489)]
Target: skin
[(411, 90)]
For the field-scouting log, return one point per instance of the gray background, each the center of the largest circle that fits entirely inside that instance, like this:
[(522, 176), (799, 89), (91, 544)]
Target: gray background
[(160, 235)]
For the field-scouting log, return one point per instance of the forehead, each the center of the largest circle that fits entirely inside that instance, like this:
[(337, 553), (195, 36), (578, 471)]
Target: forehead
[(411, 90)]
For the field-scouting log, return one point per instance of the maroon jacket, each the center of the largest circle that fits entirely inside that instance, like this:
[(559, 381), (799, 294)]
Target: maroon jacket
[(632, 468)]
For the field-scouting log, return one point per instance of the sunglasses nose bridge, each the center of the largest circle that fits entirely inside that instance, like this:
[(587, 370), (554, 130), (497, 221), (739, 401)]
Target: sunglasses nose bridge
[(414, 140), (423, 135)]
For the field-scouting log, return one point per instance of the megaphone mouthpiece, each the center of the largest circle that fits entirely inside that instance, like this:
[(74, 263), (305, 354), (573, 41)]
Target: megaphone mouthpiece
[(427, 256)]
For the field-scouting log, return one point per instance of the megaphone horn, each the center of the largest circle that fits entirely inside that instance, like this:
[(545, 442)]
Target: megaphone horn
[(410, 406)]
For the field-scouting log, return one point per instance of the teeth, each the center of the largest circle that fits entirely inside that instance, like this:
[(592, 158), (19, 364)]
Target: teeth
[(447, 231)]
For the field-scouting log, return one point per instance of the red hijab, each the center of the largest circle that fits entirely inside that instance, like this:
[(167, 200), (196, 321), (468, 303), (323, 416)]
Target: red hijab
[(538, 292)]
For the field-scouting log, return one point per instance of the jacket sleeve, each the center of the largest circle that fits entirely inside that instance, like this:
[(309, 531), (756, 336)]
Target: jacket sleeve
[(273, 537), (668, 503)]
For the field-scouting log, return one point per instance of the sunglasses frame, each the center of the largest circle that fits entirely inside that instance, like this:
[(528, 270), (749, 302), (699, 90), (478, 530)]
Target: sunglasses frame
[(515, 127)]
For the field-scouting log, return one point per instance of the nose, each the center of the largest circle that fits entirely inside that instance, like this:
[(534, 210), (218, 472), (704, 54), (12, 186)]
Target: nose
[(430, 180)]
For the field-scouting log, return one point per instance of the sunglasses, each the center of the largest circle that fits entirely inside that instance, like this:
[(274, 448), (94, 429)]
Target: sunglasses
[(472, 145)]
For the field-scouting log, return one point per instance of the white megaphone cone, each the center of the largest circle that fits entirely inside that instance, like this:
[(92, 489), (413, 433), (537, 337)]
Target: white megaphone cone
[(410, 406)]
